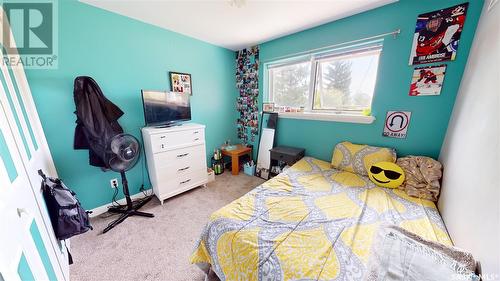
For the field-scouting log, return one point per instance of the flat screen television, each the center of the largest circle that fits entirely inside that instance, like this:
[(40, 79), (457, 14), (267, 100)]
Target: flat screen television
[(165, 108)]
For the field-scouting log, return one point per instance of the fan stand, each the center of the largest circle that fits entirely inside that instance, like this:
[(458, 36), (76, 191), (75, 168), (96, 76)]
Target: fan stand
[(131, 210)]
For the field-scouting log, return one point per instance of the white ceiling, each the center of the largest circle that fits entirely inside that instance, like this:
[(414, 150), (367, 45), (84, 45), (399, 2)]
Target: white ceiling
[(236, 24)]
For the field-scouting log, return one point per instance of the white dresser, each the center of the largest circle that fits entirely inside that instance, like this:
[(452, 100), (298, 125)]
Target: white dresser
[(176, 158)]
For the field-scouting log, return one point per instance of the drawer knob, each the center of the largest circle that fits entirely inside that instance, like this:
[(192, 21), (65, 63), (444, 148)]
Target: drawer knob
[(196, 139), (186, 181), (183, 169), (196, 132), (182, 155)]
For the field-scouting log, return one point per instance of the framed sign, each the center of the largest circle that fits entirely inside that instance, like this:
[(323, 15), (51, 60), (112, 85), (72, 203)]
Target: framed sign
[(396, 124), (181, 82)]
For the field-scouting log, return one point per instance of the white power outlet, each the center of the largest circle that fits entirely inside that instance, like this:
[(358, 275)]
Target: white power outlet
[(113, 183)]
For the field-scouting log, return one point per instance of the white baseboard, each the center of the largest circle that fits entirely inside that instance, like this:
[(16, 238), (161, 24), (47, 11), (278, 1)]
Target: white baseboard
[(104, 208)]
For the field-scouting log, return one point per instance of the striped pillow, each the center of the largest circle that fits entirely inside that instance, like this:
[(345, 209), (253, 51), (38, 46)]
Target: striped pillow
[(358, 158)]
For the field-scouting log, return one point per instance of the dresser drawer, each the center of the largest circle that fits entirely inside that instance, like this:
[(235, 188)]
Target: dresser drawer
[(172, 140), (179, 169), (169, 185), (179, 158)]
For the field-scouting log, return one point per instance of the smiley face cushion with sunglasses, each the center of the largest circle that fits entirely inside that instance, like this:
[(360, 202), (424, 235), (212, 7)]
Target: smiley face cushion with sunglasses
[(386, 174)]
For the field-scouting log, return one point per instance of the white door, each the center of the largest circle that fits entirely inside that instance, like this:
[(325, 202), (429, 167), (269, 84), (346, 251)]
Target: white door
[(29, 248)]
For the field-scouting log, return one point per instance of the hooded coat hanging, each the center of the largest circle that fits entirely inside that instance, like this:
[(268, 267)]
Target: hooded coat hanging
[(247, 82), (96, 120)]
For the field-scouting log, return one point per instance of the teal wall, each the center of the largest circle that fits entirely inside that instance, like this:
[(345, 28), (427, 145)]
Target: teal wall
[(430, 115), (124, 56)]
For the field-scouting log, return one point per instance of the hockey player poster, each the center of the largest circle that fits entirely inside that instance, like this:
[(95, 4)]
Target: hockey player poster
[(437, 35), (427, 81)]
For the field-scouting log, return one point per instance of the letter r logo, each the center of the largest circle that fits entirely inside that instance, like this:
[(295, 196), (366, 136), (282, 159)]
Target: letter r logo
[(32, 27)]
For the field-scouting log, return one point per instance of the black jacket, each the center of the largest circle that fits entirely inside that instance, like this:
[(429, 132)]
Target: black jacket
[(96, 120)]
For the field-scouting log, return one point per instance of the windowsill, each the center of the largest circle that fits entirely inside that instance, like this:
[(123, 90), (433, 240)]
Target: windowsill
[(333, 117)]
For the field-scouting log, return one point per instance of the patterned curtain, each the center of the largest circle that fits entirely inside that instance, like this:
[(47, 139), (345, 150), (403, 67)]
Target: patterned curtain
[(247, 83)]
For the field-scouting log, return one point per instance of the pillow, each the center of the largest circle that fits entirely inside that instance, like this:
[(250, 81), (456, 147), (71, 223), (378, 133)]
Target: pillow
[(422, 176), (358, 158), (386, 174), (397, 254)]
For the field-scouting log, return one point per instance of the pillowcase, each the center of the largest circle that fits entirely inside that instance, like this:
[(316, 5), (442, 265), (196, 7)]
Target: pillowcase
[(358, 158)]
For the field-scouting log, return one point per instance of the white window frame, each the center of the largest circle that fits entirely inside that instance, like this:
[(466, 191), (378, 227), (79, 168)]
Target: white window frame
[(350, 116)]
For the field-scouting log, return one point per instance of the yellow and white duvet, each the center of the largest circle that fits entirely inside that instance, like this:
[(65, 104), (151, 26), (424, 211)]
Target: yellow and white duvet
[(311, 222)]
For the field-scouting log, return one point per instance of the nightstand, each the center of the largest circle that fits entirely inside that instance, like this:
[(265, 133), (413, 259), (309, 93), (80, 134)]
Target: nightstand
[(284, 155), (235, 153)]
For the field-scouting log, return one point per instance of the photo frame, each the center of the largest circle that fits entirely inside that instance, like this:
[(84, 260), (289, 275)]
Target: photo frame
[(181, 82), (268, 107)]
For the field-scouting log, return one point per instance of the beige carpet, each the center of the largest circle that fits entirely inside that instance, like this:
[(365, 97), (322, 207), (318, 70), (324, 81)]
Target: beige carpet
[(157, 248)]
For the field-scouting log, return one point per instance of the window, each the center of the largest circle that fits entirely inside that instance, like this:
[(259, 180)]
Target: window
[(330, 83), (290, 84)]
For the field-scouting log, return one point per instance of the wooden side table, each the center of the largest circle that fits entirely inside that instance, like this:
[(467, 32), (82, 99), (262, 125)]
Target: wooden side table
[(235, 154)]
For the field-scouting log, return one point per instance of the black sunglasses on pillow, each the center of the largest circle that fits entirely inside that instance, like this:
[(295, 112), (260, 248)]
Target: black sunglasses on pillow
[(388, 173)]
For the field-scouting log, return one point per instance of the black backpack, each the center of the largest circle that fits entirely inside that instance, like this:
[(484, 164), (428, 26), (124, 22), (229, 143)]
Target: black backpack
[(66, 213)]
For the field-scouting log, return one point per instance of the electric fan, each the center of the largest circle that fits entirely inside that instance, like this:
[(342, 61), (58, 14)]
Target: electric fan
[(124, 150)]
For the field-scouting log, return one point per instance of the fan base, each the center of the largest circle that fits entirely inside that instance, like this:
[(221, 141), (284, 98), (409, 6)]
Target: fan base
[(131, 210)]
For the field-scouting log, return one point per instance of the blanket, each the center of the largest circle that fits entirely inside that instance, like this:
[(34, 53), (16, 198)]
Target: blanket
[(311, 222)]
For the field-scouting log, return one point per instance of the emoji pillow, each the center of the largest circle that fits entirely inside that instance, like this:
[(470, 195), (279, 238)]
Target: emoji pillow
[(386, 174)]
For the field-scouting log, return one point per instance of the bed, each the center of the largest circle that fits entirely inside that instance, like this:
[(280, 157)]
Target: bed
[(311, 222)]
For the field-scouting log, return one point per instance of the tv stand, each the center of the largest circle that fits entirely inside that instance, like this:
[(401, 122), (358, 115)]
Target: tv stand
[(168, 125), (176, 157)]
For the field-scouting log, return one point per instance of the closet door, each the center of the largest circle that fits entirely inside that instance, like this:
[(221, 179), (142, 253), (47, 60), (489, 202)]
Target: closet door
[(33, 252), (27, 252)]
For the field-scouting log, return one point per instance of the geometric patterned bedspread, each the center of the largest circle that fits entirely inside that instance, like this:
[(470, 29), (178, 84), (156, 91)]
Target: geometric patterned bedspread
[(311, 222)]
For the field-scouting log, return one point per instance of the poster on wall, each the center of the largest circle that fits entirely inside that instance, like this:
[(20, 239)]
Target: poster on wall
[(396, 124), (437, 35), (427, 80)]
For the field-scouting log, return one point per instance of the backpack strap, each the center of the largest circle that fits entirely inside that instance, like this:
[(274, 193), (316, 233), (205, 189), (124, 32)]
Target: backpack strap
[(70, 257), (69, 206), (40, 172)]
